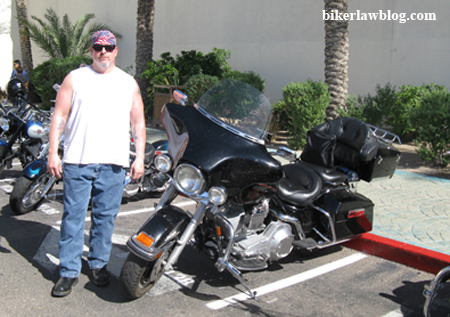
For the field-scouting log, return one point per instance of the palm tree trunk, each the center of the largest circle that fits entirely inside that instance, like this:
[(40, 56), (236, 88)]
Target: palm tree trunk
[(336, 56), (144, 41), (25, 43)]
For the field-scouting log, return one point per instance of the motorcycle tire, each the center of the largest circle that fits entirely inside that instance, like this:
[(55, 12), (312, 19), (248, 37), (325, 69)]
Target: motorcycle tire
[(27, 194), (138, 276), (3, 165)]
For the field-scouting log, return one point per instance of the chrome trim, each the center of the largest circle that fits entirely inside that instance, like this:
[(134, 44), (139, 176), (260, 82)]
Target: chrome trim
[(333, 229), (184, 239), (300, 234), (430, 291), (181, 189), (222, 261)]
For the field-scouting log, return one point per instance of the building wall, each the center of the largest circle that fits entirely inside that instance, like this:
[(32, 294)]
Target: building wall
[(6, 44), (282, 40)]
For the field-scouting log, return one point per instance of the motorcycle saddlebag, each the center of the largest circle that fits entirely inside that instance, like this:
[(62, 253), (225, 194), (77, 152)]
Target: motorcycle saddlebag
[(352, 213), (382, 165)]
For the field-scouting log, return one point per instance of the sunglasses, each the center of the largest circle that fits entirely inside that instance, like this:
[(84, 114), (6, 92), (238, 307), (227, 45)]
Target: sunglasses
[(99, 48)]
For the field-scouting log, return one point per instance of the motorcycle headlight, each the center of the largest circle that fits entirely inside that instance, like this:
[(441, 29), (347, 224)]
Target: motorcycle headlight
[(4, 123), (217, 195), (189, 180), (163, 163)]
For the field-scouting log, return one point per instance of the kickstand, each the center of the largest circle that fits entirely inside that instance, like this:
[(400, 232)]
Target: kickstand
[(238, 275)]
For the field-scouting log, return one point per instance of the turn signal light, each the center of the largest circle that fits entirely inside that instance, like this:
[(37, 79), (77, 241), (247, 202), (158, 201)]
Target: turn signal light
[(144, 239)]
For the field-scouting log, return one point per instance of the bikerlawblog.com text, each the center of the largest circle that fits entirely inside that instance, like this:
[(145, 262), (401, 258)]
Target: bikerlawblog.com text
[(381, 15)]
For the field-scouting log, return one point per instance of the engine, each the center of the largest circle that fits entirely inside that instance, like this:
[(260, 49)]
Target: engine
[(256, 240)]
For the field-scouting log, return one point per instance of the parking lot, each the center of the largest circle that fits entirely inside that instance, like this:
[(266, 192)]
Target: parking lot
[(335, 282)]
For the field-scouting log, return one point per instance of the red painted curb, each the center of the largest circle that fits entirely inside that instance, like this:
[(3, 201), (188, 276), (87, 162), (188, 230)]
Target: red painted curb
[(404, 253)]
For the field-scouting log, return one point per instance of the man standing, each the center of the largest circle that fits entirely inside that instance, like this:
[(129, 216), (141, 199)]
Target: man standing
[(94, 108), (17, 64)]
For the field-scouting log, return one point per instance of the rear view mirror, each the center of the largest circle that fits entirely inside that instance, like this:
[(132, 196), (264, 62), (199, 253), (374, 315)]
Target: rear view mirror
[(180, 97)]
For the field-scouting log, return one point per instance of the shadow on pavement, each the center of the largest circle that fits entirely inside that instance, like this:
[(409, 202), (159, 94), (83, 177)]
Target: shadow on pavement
[(410, 297)]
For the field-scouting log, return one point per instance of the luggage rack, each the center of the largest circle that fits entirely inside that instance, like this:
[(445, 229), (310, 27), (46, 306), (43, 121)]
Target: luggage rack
[(384, 135)]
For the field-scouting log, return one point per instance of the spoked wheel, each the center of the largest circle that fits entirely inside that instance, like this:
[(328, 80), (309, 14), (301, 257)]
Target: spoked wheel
[(139, 276), (27, 194)]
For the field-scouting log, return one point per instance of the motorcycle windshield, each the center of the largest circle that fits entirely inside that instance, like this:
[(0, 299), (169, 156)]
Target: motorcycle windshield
[(239, 108)]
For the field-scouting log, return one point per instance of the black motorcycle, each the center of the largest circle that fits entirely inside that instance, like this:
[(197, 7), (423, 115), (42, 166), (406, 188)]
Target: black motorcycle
[(252, 210), (33, 186), (22, 129)]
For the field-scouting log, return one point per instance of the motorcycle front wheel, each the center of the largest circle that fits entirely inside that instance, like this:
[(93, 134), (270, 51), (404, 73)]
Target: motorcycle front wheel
[(138, 276), (27, 194), (3, 165)]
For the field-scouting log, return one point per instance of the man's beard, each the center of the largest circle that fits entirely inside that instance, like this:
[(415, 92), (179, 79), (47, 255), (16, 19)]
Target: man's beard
[(104, 64)]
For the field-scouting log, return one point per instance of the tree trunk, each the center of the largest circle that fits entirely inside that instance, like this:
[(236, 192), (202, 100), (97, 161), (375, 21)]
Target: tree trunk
[(144, 41), (336, 55), (25, 43)]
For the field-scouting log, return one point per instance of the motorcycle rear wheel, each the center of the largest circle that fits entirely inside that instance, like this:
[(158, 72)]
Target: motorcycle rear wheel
[(138, 276), (27, 194)]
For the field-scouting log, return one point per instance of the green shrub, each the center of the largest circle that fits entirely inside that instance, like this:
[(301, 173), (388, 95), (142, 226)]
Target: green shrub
[(432, 119), (408, 100), (376, 109), (197, 85), (53, 72), (305, 108), (250, 78), (169, 70), (354, 107), (280, 120)]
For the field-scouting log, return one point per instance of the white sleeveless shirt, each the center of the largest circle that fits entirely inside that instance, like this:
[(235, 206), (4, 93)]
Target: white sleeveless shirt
[(98, 127)]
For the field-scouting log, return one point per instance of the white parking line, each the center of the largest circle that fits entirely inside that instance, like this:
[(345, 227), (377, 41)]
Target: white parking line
[(288, 281), (403, 312)]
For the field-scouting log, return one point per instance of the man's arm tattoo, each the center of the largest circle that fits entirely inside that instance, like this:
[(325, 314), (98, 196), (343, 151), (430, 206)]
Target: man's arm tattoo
[(60, 128), (135, 136)]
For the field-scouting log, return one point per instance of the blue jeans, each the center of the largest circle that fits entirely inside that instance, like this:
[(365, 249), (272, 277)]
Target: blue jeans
[(104, 184)]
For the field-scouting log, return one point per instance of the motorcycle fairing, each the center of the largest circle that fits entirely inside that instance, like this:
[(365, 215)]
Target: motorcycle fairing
[(216, 151), (3, 142), (163, 227)]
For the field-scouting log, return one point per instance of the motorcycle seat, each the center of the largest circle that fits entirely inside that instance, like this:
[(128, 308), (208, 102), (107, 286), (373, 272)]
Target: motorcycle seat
[(149, 153), (300, 185), (330, 175)]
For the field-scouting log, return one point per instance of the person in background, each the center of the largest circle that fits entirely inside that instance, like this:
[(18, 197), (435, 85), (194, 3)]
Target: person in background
[(95, 106), (17, 64), (20, 76)]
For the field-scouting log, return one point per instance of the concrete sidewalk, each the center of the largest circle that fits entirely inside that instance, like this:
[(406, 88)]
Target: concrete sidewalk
[(411, 222)]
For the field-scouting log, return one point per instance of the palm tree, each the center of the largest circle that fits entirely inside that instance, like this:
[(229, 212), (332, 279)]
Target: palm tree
[(60, 40), (25, 43), (144, 40), (336, 56)]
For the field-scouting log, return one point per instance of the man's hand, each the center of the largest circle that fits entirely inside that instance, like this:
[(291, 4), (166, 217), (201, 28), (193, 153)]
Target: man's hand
[(137, 170), (54, 166)]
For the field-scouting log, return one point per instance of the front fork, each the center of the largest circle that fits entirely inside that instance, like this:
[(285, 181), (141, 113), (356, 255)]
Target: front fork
[(223, 261)]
